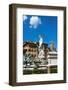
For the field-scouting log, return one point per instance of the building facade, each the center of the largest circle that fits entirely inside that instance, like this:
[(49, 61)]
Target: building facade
[(32, 49), (52, 58)]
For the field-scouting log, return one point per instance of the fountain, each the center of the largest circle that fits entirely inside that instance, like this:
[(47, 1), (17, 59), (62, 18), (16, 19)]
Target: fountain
[(39, 63), (41, 59)]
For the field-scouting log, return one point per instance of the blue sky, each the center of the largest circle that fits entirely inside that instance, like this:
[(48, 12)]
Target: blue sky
[(33, 26)]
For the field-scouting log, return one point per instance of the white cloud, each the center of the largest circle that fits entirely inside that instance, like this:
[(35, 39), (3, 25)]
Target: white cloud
[(35, 21), (25, 17)]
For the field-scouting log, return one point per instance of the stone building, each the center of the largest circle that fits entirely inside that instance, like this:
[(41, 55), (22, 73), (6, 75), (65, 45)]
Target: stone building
[(52, 58), (30, 48)]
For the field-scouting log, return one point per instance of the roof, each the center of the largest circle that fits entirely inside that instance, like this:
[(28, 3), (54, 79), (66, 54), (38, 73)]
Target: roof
[(34, 44), (30, 43)]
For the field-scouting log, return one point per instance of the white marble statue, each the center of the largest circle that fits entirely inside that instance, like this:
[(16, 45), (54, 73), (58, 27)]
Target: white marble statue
[(40, 41), (40, 49)]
